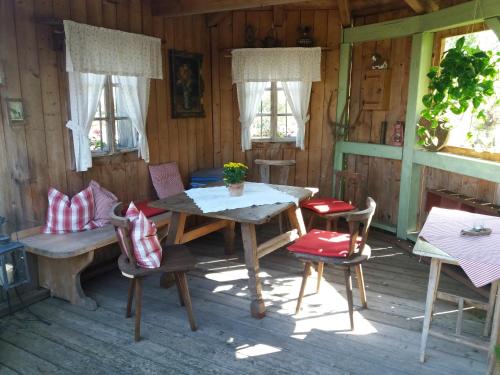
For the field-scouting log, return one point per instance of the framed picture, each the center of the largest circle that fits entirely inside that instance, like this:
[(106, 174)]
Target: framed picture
[(186, 84), (15, 110)]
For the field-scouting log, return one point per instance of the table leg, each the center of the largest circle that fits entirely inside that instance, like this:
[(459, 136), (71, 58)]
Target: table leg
[(495, 334), (491, 306), (296, 220), (229, 238), (174, 236), (429, 304), (257, 307)]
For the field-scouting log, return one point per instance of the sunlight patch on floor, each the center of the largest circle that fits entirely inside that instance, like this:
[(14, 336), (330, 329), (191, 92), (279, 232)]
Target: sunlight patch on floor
[(245, 351), (232, 275)]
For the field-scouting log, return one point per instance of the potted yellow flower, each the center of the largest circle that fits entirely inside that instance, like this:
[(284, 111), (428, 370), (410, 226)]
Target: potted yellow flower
[(234, 174)]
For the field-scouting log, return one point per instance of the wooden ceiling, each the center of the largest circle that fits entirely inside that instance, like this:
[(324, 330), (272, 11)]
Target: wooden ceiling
[(347, 8)]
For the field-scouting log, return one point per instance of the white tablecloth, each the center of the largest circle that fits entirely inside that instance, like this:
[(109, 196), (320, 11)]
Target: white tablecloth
[(214, 199), (478, 256)]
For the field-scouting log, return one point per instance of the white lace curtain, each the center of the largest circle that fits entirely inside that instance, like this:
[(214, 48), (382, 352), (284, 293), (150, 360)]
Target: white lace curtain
[(296, 68), (91, 54)]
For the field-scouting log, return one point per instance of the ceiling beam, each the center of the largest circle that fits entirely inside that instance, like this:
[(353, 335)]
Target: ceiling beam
[(344, 12), (422, 6), (175, 8)]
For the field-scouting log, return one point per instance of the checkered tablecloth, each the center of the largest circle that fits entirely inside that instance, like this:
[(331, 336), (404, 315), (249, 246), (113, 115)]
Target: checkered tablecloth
[(478, 256)]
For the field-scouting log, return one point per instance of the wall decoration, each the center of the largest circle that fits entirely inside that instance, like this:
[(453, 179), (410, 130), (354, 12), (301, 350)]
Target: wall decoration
[(378, 62), (398, 134), (271, 41), (15, 110), (186, 84), (305, 39), (250, 38)]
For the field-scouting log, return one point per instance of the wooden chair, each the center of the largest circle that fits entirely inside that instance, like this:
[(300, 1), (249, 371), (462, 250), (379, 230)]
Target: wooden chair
[(265, 175), (332, 209), (176, 259), (328, 251)]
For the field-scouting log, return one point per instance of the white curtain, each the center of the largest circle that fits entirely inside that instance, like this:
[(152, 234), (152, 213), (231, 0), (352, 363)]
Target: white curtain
[(249, 97), (85, 90), (298, 95), (134, 94), (92, 49)]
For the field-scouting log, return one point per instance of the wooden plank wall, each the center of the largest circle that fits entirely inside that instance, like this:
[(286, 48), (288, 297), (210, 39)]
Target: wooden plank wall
[(37, 154), (314, 164), (381, 176)]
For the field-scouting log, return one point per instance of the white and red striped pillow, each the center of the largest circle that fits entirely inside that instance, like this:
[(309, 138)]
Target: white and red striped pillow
[(70, 215), (147, 247)]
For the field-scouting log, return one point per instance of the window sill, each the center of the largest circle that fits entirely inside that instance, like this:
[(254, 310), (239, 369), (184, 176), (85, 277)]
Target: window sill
[(464, 165), (492, 156), (119, 157)]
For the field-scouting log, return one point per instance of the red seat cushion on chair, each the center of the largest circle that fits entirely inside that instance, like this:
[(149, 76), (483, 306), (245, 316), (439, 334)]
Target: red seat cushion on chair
[(327, 205), (147, 210), (323, 243)]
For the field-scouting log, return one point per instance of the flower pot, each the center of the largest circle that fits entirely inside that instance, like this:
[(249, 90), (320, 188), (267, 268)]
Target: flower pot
[(236, 190), (441, 132)]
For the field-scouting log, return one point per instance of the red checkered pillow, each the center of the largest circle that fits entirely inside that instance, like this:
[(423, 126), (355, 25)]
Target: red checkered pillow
[(166, 179), (147, 248), (70, 215)]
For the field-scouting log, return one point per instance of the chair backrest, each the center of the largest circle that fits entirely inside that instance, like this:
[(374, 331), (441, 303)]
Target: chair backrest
[(265, 170), (123, 228), (348, 186), (357, 219), (166, 179)]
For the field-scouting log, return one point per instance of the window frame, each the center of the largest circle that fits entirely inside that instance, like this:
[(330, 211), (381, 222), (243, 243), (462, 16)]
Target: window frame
[(274, 118), (439, 49), (110, 122)]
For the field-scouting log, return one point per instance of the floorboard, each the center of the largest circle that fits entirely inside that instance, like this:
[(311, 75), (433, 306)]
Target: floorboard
[(228, 341)]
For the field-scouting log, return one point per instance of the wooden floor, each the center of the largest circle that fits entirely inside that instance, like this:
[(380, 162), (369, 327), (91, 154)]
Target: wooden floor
[(228, 341)]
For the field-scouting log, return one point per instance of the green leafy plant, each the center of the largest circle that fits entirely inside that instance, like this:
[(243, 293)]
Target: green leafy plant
[(234, 173), (465, 78)]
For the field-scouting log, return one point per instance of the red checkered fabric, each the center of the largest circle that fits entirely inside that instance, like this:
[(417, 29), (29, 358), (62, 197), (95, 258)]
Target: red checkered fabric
[(166, 179), (323, 243), (147, 248), (70, 215), (327, 205)]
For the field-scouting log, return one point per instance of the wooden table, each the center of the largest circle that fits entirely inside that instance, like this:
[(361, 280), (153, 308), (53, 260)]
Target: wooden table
[(438, 257), (181, 206)]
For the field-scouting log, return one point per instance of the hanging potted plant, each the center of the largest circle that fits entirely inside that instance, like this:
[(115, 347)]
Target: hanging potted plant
[(234, 176), (464, 79)]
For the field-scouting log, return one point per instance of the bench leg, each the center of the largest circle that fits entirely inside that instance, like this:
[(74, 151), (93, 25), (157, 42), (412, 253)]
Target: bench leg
[(62, 278)]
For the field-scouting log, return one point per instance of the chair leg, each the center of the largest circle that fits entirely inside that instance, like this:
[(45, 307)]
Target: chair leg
[(321, 266), (361, 285), (307, 272), (311, 222), (130, 298), (177, 282), (138, 307), (348, 286), (184, 289), (280, 223)]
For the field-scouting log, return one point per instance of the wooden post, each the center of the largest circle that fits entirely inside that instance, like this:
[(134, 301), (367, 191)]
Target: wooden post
[(342, 101), (409, 191)]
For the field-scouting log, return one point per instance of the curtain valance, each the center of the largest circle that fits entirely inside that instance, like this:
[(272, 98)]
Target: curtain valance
[(97, 50), (276, 64)]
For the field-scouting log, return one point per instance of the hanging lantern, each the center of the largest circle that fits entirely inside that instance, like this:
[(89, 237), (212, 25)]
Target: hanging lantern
[(13, 265)]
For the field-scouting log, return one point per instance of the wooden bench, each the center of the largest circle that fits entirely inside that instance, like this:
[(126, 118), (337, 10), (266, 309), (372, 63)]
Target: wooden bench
[(63, 257)]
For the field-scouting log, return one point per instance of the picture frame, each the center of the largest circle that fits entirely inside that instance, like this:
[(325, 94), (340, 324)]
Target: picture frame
[(15, 110), (186, 84)]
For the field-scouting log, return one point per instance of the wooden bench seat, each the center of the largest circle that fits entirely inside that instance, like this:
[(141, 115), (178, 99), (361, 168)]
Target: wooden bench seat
[(63, 257)]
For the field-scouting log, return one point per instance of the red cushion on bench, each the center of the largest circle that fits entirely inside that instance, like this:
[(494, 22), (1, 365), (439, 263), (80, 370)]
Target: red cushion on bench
[(323, 243), (327, 205), (146, 210)]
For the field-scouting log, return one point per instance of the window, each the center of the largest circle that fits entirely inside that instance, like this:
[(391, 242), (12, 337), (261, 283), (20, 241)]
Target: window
[(274, 121), (485, 134), (111, 131)]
